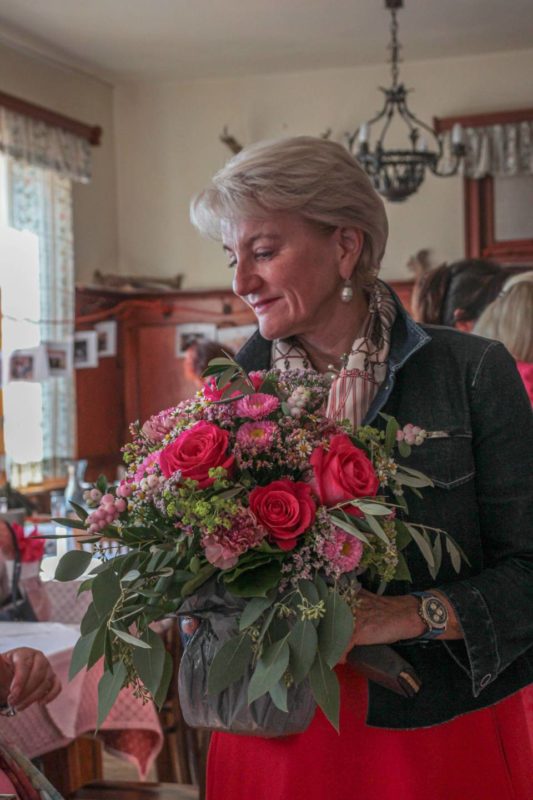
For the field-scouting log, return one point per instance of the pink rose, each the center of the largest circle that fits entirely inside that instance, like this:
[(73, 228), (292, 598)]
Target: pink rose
[(285, 508), (342, 472), (195, 451)]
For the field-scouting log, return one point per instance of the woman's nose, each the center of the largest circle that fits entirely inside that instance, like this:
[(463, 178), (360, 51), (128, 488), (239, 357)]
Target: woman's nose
[(245, 280)]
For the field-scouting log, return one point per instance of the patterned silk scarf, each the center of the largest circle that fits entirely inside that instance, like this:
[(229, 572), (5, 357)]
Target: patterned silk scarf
[(363, 369)]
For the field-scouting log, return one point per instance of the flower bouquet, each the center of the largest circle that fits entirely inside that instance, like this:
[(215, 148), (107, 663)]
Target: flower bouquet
[(250, 496)]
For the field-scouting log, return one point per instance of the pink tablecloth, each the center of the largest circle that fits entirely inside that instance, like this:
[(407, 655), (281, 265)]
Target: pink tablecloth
[(131, 731)]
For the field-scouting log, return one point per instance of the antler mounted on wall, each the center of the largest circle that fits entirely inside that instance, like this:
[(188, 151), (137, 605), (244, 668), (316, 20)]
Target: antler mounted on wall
[(236, 147)]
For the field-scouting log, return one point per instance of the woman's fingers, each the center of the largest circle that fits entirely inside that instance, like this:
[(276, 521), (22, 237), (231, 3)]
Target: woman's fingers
[(33, 678)]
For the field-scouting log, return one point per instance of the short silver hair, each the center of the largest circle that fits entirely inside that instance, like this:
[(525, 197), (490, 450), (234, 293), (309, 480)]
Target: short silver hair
[(509, 319), (315, 178)]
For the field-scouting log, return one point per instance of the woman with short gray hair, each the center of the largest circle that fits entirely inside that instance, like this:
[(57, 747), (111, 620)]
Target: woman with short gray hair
[(304, 233)]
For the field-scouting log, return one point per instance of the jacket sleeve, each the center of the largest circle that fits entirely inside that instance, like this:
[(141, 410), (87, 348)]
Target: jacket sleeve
[(495, 607)]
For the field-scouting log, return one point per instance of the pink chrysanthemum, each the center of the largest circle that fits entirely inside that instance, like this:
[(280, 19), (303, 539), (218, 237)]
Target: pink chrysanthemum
[(157, 427), (343, 552), (256, 435), (223, 547), (146, 467), (256, 406)]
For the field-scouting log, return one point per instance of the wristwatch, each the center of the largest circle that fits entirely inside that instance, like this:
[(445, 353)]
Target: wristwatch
[(433, 614)]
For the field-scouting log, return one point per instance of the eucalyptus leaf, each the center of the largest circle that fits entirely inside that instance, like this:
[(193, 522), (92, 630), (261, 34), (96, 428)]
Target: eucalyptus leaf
[(390, 434), (278, 694), (376, 528), (257, 582), (404, 449), (309, 591), (98, 646), (80, 510), (455, 555), (376, 509), (437, 557), (68, 522), (230, 663), (72, 565), (253, 610), (162, 690), (129, 639), (349, 527), (411, 480), (150, 663), (422, 545), (91, 620), (80, 654), (325, 688), (303, 644), (204, 574), (109, 687), (269, 669), (335, 629), (106, 591)]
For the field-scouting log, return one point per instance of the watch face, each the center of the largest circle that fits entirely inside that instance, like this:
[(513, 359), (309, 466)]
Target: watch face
[(435, 612)]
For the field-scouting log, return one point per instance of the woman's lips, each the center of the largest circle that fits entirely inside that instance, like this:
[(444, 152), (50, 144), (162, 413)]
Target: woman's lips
[(262, 305)]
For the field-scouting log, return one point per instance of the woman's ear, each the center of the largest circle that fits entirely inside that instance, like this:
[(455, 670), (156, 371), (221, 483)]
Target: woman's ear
[(350, 245)]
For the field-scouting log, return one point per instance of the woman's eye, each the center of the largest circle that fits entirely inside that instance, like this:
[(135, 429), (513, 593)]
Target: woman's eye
[(232, 262), (263, 254)]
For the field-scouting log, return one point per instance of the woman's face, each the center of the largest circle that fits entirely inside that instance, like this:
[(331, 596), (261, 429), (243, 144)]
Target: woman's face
[(288, 271)]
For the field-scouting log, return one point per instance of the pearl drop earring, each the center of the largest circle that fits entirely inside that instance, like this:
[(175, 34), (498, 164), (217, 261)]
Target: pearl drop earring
[(346, 291)]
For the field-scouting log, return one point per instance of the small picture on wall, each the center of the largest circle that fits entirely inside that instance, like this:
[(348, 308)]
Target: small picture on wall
[(22, 365), (107, 338), (59, 356), (191, 332), (85, 349)]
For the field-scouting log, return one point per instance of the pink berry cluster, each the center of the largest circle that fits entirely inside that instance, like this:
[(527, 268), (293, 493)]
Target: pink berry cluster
[(411, 434), (108, 510), (298, 400)]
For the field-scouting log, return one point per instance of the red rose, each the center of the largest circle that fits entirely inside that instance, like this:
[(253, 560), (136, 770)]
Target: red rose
[(195, 451), (285, 508), (342, 472)]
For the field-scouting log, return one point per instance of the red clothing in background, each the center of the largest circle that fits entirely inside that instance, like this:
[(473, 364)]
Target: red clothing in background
[(526, 373)]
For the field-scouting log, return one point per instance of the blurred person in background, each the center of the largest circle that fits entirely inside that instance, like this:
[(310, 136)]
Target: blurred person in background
[(455, 294), (199, 354), (509, 319)]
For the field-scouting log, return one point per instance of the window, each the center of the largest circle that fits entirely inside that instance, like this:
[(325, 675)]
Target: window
[(36, 282)]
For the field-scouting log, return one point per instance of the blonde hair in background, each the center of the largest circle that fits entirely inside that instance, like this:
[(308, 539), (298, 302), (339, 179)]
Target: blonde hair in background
[(315, 178), (509, 319)]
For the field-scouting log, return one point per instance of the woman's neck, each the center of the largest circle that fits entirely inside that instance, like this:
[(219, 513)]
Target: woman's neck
[(326, 348)]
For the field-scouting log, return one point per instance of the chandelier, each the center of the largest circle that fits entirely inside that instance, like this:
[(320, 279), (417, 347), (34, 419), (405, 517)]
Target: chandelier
[(397, 173)]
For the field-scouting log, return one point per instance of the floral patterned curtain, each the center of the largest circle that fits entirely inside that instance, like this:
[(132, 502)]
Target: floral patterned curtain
[(42, 145), (497, 150), (40, 201)]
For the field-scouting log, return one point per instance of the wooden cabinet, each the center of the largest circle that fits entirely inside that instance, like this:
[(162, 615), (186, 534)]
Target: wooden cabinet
[(145, 376)]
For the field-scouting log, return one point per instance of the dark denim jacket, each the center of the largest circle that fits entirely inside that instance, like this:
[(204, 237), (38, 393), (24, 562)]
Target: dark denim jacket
[(466, 391)]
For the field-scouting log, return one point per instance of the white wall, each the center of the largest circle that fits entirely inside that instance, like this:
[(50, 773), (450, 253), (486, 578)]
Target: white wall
[(91, 101), (167, 149)]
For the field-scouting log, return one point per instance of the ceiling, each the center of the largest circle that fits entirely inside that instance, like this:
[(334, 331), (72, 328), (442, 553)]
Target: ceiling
[(171, 39)]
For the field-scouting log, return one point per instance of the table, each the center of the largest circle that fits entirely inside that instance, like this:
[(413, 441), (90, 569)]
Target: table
[(132, 730)]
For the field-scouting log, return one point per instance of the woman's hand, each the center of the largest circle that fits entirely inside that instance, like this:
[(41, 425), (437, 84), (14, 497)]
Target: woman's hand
[(385, 620), (32, 678)]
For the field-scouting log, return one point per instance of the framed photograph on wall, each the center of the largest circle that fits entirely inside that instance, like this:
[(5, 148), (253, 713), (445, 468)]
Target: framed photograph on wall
[(59, 357), (107, 338), (85, 349), (191, 332)]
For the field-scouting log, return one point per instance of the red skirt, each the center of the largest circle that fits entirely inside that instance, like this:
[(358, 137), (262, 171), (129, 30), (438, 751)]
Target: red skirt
[(484, 755)]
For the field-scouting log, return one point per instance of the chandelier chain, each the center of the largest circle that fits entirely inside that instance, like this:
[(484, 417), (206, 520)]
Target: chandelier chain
[(395, 48)]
